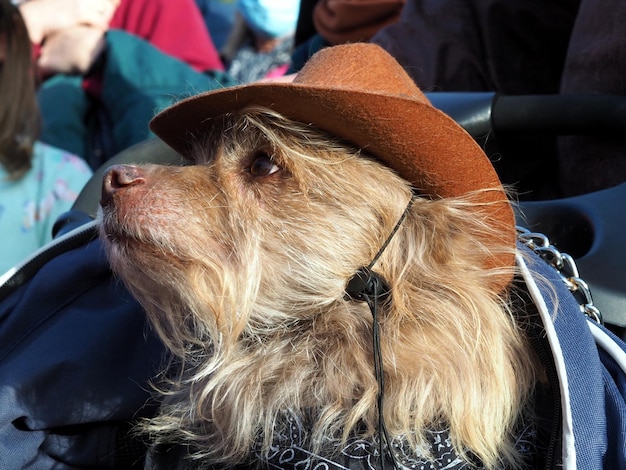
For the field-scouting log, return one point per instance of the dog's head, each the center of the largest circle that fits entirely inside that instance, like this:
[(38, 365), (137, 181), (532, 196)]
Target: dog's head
[(264, 229), (269, 224), (241, 260)]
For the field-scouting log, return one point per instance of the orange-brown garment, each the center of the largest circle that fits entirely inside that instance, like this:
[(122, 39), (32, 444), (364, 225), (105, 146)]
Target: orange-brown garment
[(344, 21)]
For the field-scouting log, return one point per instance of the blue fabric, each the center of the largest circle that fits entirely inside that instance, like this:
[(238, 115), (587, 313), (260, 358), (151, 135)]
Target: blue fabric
[(615, 392), (219, 16), (76, 358), (597, 386)]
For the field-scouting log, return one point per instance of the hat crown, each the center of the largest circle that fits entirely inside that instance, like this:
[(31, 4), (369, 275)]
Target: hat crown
[(359, 67)]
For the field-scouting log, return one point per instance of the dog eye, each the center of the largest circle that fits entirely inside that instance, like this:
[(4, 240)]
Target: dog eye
[(263, 165)]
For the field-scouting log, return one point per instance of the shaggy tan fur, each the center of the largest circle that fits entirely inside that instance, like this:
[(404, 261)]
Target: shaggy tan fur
[(241, 262)]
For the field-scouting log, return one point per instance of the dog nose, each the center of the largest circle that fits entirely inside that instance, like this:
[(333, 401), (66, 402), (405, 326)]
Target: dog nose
[(119, 177)]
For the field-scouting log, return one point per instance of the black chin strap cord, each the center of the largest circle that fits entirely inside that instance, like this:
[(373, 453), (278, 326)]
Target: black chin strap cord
[(369, 286)]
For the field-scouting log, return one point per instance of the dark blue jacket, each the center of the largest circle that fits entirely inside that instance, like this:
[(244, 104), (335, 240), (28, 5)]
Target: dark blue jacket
[(77, 358)]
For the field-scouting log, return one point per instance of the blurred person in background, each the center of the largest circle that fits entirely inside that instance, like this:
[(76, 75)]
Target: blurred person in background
[(219, 17), (107, 66), (323, 23), (37, 182), (262, 39)]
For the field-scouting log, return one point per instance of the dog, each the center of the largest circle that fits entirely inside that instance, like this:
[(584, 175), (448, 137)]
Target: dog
[(242, 259)]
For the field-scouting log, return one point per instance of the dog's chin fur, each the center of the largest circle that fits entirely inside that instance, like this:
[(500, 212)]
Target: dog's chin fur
[(241, 263)]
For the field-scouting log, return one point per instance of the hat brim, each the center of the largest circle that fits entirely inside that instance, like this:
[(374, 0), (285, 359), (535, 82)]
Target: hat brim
[(424, 145)]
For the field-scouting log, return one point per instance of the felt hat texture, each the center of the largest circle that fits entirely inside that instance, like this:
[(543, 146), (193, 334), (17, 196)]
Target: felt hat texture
[(362, 94)]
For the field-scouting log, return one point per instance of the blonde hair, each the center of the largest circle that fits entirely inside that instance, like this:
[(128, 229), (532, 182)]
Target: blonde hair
[(253, 304)]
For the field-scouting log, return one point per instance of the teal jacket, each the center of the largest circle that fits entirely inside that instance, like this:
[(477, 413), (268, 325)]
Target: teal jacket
[(135, 81)]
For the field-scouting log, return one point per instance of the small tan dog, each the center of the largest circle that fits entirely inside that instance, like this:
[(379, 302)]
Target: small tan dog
[(242, 262)]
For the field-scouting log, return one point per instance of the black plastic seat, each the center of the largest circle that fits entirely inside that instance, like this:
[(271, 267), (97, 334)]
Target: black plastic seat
[(590, 227)]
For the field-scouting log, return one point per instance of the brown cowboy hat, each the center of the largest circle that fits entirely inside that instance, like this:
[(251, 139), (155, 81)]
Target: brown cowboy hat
[(360, 93)]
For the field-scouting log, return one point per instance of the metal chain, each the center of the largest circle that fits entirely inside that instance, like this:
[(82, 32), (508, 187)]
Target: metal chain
[(565, 265)]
